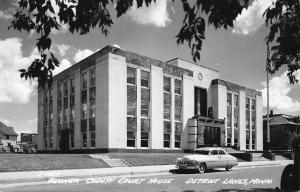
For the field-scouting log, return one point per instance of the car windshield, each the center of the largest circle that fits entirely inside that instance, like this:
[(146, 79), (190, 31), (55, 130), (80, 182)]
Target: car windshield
[(201, 152)]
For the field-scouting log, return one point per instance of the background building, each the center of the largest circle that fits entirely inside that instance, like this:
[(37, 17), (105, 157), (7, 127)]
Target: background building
[(283, 129), (115, 99), (8, 137), (29, 138)]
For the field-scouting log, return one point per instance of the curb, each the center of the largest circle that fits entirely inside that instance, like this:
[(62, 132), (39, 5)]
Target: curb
[(37, 181), (24, 182)]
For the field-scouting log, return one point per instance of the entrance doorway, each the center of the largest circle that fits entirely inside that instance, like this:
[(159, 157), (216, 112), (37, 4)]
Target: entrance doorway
[(211, 136), (200, 101)]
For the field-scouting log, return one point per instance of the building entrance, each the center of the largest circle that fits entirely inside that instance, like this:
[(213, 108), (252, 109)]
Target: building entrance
[(200, 101), (211, 136)]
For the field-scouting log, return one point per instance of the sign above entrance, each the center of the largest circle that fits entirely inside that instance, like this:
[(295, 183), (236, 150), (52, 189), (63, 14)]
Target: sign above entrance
[(200, 76)]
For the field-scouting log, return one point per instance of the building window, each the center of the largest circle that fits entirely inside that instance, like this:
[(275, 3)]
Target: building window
[(145, 76), (72, 130), (236, 119), (92, 132), (229, 118), (167, 134), (50, 96), (236, 100), (253, 104), (247, 103), (253, 139), (145, 108), (167, 84), (145, 130), (84, 81), (131, 131), (236, 122), (72, 86), (229, 99), (84, 132), (65, 89), (131, 107), (131, 75), (178, 112), (177, 86), (84, 109), (167, 112), (253, 122), (247, 123), (93, 101), (178, 131), (59, 108), (84, 104), (60, 90), (92, 77)]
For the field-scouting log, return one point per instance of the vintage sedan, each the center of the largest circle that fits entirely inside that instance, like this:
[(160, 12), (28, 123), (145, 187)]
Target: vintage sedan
[(207, 158)]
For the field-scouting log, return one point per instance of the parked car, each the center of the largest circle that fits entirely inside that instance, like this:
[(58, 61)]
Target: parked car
[(30, 149), (207, 158), (18, 149)]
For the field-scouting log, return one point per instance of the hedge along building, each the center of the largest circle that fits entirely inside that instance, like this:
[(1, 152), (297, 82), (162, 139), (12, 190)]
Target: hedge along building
[(115, 100)]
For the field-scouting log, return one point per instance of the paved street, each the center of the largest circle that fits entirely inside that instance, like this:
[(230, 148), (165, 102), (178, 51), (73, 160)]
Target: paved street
[(246, 179)]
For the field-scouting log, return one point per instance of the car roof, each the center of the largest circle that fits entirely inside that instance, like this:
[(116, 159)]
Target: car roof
[(208, 148)]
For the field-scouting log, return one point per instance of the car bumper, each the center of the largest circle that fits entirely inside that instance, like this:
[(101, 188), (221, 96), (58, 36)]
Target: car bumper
[(187, 167)]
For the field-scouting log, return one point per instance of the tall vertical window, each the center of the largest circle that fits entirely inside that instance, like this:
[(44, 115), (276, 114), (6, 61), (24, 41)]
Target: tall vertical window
[(72, 113), (247, 123), (59, 110), (131, 107), (84, 109), (229, 118), (66, 104), (236, 119), (253, 122), (92, 124), (167, 112), (46, 116), (178, 112), (145, 108)]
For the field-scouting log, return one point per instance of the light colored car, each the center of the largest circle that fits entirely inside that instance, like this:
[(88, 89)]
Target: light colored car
[(207, 158)]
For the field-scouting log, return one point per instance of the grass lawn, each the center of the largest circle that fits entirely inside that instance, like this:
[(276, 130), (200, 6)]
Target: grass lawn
[(37, 162), (141, 159)]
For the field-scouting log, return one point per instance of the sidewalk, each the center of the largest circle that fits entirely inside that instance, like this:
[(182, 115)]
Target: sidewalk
[(9, 178)]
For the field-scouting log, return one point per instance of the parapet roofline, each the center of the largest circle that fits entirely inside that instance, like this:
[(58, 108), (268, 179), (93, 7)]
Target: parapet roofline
[(234, 86), (193, 63), (135, 58)]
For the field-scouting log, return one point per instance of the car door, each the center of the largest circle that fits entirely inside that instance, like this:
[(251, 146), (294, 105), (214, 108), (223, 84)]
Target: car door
[(213, 161), (223, 158)]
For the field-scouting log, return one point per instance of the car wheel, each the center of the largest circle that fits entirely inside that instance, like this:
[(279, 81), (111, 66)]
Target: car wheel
[(228, 168), (202, 168)]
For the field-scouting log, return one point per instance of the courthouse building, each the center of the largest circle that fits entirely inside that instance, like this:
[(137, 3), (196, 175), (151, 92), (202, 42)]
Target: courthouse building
[(116, 100)]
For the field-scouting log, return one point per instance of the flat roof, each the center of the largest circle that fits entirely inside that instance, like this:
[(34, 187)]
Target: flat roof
[(193, 63)]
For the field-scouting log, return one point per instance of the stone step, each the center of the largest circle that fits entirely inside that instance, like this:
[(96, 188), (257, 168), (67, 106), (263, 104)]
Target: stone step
[(112, 162)]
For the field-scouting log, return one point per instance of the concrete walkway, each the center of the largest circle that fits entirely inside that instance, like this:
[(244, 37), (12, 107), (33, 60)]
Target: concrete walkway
[(8, 178)]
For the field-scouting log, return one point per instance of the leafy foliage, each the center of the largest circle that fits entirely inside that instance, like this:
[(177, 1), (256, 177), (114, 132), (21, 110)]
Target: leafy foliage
[(284, 36), (44, 16), (81, 16)]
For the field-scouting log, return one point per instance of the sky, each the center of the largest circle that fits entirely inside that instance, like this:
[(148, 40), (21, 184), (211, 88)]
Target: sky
[(238, 53)]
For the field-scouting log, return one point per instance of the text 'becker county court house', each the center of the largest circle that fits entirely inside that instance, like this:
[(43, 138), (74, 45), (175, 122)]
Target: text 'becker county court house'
[(116, 100)]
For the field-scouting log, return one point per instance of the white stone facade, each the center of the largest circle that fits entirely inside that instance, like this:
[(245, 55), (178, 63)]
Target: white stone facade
[(110, 112)]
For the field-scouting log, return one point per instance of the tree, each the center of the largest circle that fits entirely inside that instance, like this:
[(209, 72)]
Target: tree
[(284, 36), (81, 16)]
